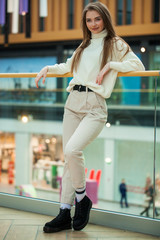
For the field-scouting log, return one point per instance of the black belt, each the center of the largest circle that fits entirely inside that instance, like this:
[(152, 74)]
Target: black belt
[(81, 88)]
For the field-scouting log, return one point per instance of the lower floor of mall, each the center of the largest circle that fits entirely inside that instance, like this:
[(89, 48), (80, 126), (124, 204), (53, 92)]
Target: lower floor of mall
[(32, 161)]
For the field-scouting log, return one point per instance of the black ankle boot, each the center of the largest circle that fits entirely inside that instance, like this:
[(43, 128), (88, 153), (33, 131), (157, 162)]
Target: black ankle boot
[(61, 222), (82, 211)]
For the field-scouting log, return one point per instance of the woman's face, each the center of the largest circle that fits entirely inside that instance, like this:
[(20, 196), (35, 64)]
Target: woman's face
[(94, 22)]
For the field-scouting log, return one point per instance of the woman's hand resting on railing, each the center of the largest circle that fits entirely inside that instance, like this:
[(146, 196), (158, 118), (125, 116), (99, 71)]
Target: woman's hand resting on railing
[(42, 73), (102, 73)]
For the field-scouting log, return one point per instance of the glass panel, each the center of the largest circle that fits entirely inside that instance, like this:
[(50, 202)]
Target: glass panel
[(1, 29), (20, 94), (156, 11), (119, 12), (86, 2), (157, 156), (21, 23), (31, 152), (129, 156), (41, 24), (128, 11), (154, 61), (70, 14)]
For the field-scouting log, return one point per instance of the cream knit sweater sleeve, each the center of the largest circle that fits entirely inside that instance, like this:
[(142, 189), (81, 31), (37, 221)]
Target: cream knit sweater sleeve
[(122, 62), (62, 68)]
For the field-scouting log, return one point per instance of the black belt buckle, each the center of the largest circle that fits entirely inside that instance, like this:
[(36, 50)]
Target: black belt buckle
[(79, 88)]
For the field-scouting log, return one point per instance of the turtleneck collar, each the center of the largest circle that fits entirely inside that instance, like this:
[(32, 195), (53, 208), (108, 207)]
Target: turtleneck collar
[(99, 35)]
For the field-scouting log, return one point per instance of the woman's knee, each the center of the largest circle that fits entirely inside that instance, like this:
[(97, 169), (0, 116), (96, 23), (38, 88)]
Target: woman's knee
[(71, 154), (68, 153)]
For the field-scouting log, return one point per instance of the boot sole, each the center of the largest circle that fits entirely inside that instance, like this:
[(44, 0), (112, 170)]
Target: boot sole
[(53, 230), (78, 228)]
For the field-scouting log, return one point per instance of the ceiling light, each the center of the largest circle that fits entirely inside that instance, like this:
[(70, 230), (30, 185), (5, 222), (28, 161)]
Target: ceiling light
[(108, 160), (24, 118), (143, 49), (108, 124)]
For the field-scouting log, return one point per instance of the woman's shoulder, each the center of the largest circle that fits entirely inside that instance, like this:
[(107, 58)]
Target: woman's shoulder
[(119, 43)]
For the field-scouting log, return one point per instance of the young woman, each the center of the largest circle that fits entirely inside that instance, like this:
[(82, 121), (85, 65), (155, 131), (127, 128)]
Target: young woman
[(94, 64)]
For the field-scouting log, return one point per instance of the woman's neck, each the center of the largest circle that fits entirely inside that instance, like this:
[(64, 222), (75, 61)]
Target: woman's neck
[(99, 35)]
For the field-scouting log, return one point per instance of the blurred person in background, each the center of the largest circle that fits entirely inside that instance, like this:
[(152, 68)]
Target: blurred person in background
[(123, 192), (149, 197)]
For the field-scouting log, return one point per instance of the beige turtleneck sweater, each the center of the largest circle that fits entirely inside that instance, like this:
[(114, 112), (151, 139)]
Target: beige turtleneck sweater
[(89, 65)]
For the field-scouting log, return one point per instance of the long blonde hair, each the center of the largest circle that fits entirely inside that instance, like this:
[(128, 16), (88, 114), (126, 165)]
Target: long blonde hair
[(108, 40)]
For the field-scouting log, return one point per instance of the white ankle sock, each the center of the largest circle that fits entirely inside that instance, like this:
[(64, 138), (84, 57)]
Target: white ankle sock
[(65, 205), (80, 194)]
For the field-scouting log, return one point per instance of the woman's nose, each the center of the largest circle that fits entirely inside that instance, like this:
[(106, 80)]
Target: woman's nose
[(93, 23)]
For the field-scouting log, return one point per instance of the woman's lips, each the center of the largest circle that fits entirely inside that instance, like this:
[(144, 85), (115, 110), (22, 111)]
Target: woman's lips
[(94, 29)]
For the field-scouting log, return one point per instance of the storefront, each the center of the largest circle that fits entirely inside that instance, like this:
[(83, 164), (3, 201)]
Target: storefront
[(47, 165), (48, 162), (7, 162)]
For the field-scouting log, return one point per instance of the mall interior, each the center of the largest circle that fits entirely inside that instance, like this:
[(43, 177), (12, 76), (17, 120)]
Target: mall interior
[(35, 33)]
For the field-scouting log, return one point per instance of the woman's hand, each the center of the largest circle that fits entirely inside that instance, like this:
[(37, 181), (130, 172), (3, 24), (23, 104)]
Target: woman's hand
[(42, 73), (101, 74)]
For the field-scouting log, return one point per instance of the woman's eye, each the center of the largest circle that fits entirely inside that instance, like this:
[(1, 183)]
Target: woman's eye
[(96, 19)]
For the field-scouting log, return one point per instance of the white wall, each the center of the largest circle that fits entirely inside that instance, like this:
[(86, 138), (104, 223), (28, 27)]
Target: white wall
[(23, 163)]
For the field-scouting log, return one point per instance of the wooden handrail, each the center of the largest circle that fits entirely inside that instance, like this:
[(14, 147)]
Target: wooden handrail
[(120, 74)]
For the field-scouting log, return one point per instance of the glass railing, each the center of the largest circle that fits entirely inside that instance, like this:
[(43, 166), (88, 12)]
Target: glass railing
[(125, 155)]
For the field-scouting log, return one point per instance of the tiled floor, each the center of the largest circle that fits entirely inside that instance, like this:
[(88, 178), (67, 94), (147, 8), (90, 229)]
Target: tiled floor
[(20, 225)]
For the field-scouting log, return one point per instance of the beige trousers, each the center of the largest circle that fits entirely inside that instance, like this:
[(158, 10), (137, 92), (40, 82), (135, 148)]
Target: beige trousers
[(85, 115)]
